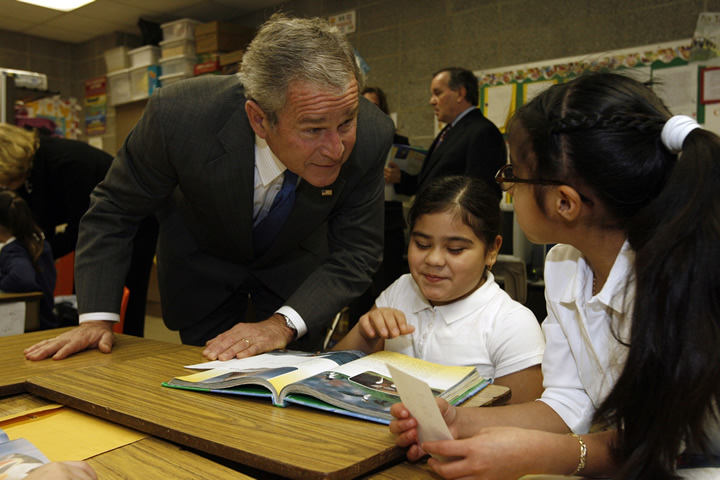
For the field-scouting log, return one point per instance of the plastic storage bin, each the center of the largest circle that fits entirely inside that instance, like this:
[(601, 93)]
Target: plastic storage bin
[(144, 56), (119, 86), (179, 29), (116, 59), (173, 48), (177, 64), (143, 81), (166, 80)]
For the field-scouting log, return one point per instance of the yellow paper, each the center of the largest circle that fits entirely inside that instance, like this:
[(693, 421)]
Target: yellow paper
[(44, 408), (64, 434)]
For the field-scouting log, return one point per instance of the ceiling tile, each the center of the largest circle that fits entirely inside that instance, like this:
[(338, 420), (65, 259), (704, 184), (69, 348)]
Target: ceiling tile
[(107, 16)]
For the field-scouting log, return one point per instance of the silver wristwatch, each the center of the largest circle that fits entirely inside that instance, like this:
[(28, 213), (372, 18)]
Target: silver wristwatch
[(291, 326)]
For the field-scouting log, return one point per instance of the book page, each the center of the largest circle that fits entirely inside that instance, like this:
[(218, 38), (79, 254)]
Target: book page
[(439, 377), (18, 458), (274, 370)]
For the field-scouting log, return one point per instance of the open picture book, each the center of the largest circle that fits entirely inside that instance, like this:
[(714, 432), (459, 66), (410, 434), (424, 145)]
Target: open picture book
[(18, 457), (346, 382)]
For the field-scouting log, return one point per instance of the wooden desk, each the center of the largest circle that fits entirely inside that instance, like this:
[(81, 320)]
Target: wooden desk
[(14, 369), (146, 458), (293, 442)]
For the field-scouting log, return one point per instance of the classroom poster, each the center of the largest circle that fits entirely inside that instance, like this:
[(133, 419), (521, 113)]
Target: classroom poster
[(499, 105)]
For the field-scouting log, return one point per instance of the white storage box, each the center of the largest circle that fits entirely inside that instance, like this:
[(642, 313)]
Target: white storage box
[(178, 64), (144, 56), (119, 86), (143, 81), (116, 59), (179, 29), (173, 48), (166, 80)]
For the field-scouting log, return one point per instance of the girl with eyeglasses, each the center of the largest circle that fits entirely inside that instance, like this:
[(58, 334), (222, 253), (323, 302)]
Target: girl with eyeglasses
[(631, 195)]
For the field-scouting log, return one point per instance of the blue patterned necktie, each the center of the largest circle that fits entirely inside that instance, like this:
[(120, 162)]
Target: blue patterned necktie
[(267, 229)]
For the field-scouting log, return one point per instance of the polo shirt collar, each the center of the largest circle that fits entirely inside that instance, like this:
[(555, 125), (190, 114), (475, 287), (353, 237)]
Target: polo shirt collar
[(613, 293), (457, 310)]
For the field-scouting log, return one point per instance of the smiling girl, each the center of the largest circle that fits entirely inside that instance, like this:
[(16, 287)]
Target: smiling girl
[(449, 309)]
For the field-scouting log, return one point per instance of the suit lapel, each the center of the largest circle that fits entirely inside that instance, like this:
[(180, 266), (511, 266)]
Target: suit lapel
[(437, 151), (235, 174)]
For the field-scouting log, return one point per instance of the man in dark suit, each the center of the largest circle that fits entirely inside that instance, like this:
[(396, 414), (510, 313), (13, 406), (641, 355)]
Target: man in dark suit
[(209, 157), (470, 144)]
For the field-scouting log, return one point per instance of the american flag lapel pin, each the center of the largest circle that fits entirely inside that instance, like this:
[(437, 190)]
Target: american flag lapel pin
[(326, 192)]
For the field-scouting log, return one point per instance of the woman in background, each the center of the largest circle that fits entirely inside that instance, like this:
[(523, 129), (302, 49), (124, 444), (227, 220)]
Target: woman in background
[(56, 176)]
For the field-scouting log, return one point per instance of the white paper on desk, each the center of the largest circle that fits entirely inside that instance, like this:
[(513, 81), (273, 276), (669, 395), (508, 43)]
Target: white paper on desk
[(420, 402), (12, 319)]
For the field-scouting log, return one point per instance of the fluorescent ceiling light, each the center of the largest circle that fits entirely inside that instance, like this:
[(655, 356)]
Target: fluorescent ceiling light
[(62, 5)]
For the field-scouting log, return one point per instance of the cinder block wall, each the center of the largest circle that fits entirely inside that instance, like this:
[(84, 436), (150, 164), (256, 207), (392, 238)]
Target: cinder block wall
[(405, 41)]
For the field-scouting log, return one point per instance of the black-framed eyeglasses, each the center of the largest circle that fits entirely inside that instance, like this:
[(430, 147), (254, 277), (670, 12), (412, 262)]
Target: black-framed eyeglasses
[(507, 179)]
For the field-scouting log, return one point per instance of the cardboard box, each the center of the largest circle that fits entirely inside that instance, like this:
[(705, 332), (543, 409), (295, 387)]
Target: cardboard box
[(222, 28), (221, 42), (210, 66), (232, 57)]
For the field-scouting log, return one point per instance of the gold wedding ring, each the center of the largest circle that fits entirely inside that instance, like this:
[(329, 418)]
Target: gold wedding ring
[(246, 341)]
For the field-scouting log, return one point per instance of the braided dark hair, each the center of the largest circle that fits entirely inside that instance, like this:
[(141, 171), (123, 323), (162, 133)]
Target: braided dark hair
[(603, 131)]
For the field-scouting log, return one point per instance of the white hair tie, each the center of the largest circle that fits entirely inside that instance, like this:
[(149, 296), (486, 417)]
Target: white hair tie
[(676, 130)]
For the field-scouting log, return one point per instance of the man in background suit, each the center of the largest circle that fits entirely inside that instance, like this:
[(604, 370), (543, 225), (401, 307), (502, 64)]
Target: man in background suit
[(470, 144), (208, 157)]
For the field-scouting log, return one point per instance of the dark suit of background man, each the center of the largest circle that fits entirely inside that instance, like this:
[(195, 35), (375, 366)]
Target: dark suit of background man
[(207, 158), (470, 144)]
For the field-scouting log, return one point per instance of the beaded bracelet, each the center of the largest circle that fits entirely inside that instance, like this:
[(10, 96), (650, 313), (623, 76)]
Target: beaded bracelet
[(583, 454)]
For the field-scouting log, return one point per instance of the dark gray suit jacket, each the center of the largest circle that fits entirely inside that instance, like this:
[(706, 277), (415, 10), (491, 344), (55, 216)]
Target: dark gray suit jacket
[(190, 159), (474, 147)]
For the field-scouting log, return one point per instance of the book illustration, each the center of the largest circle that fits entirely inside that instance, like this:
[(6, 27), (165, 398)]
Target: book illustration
[(18, 457), (346, 382), (407, 158)]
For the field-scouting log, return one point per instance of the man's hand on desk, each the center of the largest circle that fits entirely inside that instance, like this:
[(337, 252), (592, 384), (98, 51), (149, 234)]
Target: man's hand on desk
[(248, 339), (93, 334)]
